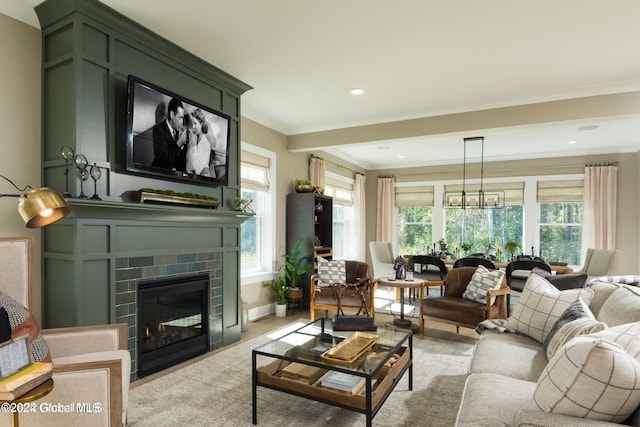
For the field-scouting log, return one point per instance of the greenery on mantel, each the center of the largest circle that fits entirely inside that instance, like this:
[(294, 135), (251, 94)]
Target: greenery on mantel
[(176, 194)]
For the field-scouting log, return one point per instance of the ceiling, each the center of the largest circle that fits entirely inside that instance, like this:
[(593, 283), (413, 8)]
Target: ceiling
[(414, 59)]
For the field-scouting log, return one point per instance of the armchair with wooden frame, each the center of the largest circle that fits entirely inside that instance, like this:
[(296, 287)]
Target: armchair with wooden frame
[(452, 308), (356, 295), (90, 363)]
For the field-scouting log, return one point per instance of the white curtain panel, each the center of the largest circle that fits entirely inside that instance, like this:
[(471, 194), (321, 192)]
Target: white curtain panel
[(385, 227), (316, 172), (600, 201), (360, 217)]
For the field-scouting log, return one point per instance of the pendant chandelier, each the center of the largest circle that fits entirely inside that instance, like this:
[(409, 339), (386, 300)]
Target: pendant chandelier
[(473, 199)]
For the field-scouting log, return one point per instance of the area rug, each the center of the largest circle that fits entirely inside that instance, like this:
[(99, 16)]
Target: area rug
[(216, 391)]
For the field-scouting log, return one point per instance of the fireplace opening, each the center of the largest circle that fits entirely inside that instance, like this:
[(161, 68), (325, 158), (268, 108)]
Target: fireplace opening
[(173, 321)]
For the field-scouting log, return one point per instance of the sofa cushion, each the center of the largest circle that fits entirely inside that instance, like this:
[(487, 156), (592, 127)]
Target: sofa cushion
[(481, 282), (331, 272), (563, 281), (622, 306), (492, 400), (512, 355), (577, 319), (601, 292), (541, 305), (590, 378), (22, 322)]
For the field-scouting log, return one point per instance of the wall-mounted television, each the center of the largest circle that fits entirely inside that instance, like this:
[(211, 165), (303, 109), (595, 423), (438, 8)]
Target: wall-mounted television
[(172, 137)]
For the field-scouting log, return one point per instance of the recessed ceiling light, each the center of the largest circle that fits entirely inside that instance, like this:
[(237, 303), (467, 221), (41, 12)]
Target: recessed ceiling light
[(401, 156), (588, 127), (357, 91), (572, 142)]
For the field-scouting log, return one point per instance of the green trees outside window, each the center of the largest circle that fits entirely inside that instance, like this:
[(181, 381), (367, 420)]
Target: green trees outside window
[(561, 232)]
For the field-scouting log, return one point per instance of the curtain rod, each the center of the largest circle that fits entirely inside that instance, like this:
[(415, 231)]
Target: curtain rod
[(589, 165), (313, 156)]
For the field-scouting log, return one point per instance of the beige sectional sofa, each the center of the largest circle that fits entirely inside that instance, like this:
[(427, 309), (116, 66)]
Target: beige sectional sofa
[(510, 371)]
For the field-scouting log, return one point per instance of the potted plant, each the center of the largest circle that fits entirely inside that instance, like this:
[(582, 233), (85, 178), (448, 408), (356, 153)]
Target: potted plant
[(465, 248), (280, 289), (511, 246), (303, 185), (295, 265)]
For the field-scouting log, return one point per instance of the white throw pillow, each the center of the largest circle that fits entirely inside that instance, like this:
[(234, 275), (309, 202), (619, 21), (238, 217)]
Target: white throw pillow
[(590, 378), (626, 336), (331, 272), (481, 282), (541, 305)]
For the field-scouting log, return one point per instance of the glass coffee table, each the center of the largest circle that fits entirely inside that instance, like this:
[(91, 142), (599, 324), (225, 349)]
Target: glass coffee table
[(352, 370)]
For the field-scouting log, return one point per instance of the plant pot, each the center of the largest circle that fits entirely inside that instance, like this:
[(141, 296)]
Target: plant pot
[(281, 310), (304, 188), (294, 293)]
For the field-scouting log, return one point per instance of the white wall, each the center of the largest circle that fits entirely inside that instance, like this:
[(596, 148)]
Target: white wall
[(20, 124)]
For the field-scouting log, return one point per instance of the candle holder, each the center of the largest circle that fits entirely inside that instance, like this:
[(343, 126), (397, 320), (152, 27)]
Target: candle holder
[(67, 155)]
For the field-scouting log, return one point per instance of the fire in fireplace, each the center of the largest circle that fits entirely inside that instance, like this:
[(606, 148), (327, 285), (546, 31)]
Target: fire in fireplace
[(173, 321)]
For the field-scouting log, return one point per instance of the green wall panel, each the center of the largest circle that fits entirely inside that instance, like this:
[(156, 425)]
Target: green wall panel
[(96, 295), (93, 114), (95, 44), (59, 297), (58, 124), (149, 237), (58, 238), (95, 239), (59, 43)]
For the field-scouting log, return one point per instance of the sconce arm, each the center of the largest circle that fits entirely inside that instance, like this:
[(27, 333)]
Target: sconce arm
[(22, 190)]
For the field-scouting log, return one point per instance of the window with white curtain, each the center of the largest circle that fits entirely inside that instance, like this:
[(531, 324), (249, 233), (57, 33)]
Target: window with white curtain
[(414, 211), (340, 188), (560, 220), (257, 165)]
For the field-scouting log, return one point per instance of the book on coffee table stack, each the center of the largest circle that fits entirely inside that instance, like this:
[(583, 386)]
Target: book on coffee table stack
[(301, 372), (346, 382)]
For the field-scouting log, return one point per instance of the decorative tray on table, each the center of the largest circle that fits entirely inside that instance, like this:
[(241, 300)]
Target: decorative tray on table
[(351, 348), (184, 199)]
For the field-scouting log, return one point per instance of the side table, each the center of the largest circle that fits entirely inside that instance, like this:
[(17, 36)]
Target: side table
[(33, 394)]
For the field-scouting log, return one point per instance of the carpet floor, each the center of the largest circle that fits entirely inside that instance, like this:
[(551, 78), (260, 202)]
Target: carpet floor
[(216, 391)]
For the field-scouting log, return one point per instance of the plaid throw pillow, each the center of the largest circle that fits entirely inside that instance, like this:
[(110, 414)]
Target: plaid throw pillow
[(482, 281), (590, 378), (331, 272), (541, 305)]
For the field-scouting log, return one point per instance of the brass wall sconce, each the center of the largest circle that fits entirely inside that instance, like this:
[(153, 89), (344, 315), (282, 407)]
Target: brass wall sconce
[(40, 206)]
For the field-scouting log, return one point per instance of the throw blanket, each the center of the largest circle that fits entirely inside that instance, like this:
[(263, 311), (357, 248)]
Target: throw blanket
[(497, 325), (627, 280)]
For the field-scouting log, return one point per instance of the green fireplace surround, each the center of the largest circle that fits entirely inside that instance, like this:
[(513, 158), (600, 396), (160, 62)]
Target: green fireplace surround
[(89, 50)]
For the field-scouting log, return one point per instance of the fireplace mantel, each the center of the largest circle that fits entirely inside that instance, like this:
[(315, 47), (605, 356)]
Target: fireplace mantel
[(100, 209)]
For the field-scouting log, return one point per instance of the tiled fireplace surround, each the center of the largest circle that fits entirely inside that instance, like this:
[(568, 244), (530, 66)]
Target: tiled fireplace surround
[(131, 270)]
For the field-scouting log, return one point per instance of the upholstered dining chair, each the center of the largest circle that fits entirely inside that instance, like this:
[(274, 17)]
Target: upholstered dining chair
[(382, 258), (355, 295), (601, 262), (471, 261), (427, 267), (453, 308), (517, 272), (90, 363)]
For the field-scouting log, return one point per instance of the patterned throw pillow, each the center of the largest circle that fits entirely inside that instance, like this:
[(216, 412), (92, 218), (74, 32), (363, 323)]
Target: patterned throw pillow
[(626, 336), (22, 322), (331, 272), (577, 319), (590, 378), (541, 305), (482, 281)]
